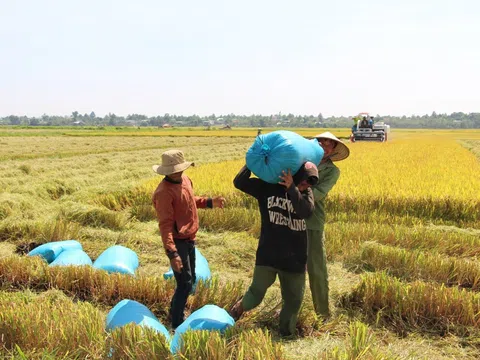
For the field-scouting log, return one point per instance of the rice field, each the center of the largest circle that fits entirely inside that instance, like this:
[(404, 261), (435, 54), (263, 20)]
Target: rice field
[(403, 243)]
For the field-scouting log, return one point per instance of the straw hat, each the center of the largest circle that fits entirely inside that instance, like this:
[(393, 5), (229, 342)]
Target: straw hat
[(172, 162), (340, 152)]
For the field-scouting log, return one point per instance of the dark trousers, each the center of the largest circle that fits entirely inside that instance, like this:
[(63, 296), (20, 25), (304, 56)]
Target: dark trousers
[(185, 280)]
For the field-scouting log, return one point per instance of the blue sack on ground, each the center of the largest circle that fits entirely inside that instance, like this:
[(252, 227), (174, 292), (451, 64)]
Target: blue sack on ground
[(118, 259), (209, 317), (51, 250), (128, 311), (281, 150), (202, 270), (72, 257)]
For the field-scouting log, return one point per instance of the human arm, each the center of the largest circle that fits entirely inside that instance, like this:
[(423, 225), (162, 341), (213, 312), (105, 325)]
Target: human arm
[(248, 185), (302, 202), (326, 183), (201, 202), (209, 203), (166, 222)]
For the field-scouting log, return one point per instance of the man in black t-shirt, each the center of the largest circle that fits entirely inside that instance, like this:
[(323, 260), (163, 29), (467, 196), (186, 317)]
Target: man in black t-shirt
[(282, 247)]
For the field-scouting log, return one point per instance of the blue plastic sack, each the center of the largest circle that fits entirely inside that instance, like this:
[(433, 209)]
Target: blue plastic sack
[(202, 270), (209, 317), (51, 250), (128, 311), (281, 150), (72, 257), (118, 259)]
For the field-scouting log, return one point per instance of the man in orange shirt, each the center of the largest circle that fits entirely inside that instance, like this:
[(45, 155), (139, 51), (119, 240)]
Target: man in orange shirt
[(176, 208)]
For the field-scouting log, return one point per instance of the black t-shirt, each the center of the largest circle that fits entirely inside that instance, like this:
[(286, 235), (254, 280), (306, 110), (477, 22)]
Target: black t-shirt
[(283, 236)]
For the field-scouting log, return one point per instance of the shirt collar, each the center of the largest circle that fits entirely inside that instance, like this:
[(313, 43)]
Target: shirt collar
[(172, 181)]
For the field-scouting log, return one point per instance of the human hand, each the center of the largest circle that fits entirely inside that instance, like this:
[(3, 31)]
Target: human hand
[(176, 264), (287, 179), (218, 202)]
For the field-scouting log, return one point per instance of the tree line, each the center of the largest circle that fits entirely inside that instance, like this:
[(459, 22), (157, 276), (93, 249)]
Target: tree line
[(456, 120)]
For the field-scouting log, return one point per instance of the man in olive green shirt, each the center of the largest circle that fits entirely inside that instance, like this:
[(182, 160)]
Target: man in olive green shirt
[(328, 174)]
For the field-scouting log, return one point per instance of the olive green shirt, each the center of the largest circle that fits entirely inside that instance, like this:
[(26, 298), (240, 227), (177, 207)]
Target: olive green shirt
[(328, 175)]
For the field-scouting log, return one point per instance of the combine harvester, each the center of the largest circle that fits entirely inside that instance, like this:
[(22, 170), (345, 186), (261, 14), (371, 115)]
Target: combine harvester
[(367, 130)]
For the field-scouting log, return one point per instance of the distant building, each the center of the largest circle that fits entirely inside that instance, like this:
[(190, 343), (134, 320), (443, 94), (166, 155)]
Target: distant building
[(166, 126), (78, 123)]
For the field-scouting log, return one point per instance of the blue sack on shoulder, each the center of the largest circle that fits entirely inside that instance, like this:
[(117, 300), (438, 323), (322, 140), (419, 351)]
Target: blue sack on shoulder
[(281, 150)]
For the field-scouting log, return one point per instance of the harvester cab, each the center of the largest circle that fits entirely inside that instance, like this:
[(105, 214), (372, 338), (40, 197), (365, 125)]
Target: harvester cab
[(366, 129)]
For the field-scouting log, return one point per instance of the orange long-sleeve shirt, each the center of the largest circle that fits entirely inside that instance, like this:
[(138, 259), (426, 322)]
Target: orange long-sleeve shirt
[(176, 208)]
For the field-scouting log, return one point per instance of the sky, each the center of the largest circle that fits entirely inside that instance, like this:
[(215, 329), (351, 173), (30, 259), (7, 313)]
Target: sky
[(245, 57)]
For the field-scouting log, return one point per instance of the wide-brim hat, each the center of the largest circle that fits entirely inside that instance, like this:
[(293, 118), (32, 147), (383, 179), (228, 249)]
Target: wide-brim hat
[(341, 150), (172, 162)]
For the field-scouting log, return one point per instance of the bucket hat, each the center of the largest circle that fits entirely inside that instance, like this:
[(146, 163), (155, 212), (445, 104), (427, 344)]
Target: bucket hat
[(173, 161)]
